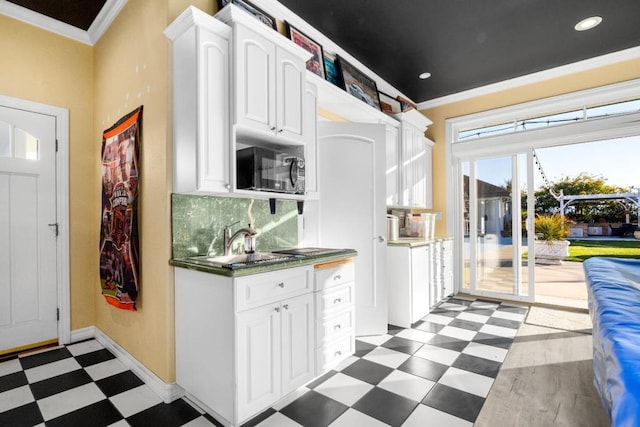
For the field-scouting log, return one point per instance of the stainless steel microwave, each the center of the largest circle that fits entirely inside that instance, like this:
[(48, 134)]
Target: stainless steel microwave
[(265, 169)]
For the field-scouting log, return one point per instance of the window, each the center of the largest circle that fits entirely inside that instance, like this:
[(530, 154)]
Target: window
[(17, 143), (521, 125)]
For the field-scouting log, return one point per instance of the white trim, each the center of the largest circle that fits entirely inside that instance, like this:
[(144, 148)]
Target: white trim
[(82, 334), (107, 14), (563, 70), (167, 392), (574, 100), (61, 116), (62, 218), (101, 24)]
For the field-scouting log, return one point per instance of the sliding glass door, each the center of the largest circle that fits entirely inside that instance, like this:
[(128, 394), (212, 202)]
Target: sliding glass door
[(494, 225)]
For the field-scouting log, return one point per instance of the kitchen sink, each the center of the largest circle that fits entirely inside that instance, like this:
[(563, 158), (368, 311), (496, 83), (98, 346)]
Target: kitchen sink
[(243, 260)]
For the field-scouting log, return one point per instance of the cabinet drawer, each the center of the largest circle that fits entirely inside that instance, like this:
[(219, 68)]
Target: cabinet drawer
[(329, 355), (333, 326), (334, 299), (334, 276), (259, 289)]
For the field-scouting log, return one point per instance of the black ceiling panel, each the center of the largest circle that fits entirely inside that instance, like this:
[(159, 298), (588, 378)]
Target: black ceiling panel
[(466, 44), (79, 13)]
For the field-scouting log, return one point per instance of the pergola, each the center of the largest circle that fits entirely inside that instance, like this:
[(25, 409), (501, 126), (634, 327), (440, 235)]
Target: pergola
[(622, 198)]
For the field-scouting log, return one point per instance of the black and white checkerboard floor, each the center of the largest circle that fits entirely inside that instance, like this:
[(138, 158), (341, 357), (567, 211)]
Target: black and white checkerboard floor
[(437, 373)]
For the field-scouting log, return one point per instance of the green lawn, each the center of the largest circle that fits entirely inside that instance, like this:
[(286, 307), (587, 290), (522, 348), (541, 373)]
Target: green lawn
[(579, 250)]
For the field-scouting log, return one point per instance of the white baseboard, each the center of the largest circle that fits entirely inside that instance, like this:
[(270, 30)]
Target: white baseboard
[(167, 392), (83, 334)]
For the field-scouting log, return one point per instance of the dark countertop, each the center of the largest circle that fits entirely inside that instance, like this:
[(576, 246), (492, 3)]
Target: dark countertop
[(193, 263)]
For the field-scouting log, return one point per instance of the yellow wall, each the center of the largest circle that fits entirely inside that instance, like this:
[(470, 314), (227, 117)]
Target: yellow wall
[(132, 68), (43, 67), (579, 81)]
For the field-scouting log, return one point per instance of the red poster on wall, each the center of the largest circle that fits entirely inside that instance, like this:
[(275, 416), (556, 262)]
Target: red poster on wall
[(119, 244)]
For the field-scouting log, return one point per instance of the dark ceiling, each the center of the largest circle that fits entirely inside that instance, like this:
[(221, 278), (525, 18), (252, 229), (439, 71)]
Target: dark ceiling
[(79, 13), (464, 44)]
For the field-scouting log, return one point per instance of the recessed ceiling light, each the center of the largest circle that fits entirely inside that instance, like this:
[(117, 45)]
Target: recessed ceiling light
[(424, 76), (588, 23)]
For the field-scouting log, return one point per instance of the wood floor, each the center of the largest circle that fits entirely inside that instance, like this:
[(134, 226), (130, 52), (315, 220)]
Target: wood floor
[(546, 380)]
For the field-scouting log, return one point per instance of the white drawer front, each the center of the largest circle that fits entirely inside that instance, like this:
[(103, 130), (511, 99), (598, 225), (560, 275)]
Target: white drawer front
[(328, 356), (334, 299), (333, 326), (334, 276), (259, 289)]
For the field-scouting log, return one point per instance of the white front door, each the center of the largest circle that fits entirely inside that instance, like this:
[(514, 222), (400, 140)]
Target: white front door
[(28, 278), (352, 211)]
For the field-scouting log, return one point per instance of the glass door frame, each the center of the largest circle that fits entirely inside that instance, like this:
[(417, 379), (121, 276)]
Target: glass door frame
[(573, 133), (516, 221)]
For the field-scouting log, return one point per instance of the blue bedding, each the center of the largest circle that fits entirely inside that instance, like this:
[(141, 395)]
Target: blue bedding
[(613, 286)]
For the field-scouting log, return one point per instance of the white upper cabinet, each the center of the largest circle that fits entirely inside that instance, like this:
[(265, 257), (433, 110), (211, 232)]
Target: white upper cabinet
[(416, 167), (270, 80), (290, 92), (201, 103), (236, 83), (393, 165), (255, 85)]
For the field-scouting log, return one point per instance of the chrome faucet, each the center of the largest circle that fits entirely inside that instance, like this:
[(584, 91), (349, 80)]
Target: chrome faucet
[(229, 238)]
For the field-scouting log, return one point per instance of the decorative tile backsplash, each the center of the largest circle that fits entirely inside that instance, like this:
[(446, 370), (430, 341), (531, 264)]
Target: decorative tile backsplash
[(198, 221)]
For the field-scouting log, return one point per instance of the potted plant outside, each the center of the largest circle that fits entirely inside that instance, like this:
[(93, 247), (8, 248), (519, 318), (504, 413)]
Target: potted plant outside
[(550, 245), (636, 233)]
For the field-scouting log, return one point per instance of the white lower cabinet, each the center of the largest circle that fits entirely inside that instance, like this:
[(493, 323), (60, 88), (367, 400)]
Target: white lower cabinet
[(335, 314), (275, 352), (243, 343), (443, 270), (447, 267), (409, 273), (419, 277)]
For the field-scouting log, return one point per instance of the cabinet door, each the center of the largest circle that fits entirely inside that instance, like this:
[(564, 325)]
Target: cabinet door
[(311, 141), (436, 276), (290, 94), (408, 136), (447, 267), (255, 80), (297, 342), (418, 189), (428, 175), (420, 282), (393, 166), (259, 359), (213, 113)]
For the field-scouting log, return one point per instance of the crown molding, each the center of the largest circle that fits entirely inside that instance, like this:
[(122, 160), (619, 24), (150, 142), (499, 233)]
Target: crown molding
[(563, 70), (107, 14)]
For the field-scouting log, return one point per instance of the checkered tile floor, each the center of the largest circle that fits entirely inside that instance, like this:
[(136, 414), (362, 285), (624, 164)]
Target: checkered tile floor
[(437, 373)]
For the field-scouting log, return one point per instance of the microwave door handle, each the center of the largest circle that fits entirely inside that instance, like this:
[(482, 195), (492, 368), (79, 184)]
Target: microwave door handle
[(293, 174)]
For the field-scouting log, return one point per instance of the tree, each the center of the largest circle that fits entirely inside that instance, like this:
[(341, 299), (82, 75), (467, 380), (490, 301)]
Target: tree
[(582, 184)]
